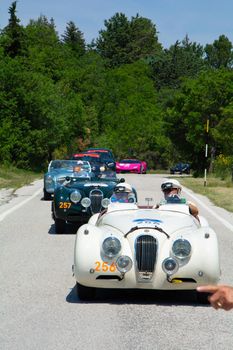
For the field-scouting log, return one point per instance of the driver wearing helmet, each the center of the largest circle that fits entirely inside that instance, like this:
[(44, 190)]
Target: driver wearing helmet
[(123, 193), (80, 169), (172, 194)]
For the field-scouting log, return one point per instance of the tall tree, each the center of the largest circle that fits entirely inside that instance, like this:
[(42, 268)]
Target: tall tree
[(13, 33), (73, 37), (219, 54), (130, 115), (207, 97), (144, 39), (125, 41), (45, 52), (183, 59)]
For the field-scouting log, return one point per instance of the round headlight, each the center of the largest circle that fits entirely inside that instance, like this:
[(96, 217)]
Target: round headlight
[(111, 247), (170, 266), (124, 263), (86, 202), (75, 196), (49, 180), (181, 249), (105, 202)]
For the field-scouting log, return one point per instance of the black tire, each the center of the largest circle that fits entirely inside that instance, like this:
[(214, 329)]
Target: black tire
[(140, 171), (47, 196), (60, 226), (85, 293), (202, 298), (52, 211)]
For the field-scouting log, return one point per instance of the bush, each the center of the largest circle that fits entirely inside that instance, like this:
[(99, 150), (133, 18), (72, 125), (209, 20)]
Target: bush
[(223, 166)]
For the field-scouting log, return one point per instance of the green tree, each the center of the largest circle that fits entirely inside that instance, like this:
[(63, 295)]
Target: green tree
[(73, 38), (219, 54), (125, 41), (45, 52), (13, 34), (223, 132), (183, 59), (131, 118), (206, 97)]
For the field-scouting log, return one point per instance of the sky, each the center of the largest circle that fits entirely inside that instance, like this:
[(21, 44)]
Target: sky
[(202, 20)]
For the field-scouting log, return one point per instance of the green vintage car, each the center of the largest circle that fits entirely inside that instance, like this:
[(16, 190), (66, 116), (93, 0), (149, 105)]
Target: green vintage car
[(81, 197)]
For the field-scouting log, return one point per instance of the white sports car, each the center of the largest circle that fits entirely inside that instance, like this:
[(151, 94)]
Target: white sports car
[(127, 246)]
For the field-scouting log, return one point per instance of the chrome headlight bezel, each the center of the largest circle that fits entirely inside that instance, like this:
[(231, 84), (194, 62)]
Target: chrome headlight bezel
[(49, 180), (181, 249), (124, 263), (170, 266), (111, 247), (105, 202), (86, 202), (75, 196)]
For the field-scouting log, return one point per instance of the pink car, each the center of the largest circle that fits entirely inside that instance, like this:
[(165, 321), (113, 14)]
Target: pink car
[(131, 166)]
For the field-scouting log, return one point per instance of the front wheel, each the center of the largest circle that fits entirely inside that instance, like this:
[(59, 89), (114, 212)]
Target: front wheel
[(60, 226), (140, 170), (85, 293), (47, 196)]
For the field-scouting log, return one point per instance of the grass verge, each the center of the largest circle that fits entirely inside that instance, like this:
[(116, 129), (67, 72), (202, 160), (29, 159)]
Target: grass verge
[(11, 177), (220, 192)]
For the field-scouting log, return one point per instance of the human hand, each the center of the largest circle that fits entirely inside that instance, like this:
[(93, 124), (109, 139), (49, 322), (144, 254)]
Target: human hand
[(221, 296)]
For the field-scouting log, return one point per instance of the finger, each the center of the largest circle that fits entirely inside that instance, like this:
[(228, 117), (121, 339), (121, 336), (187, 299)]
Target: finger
[(207, 289), (217, 296)]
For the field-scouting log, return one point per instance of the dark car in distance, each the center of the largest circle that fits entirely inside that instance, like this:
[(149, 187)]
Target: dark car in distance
[(180, 168), (97, 160), (105, 151)]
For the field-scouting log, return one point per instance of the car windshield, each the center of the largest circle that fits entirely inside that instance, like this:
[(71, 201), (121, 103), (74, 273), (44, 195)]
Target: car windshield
[(106, 153), (123, 197), (130, 161), (174, 200), (89, 158), (69, 165), (60, 164), (107, 174)]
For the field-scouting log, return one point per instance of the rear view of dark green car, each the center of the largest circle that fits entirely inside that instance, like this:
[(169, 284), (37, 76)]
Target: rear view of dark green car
[(79, 198)]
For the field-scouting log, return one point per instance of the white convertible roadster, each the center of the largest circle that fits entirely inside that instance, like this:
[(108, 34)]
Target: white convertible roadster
[(144, 248)]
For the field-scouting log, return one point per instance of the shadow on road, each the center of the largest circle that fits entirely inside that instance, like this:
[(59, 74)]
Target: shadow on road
[(70, 229), (136, 296)]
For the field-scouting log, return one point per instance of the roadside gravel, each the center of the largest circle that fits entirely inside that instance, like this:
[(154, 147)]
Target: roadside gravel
[(6, 194)]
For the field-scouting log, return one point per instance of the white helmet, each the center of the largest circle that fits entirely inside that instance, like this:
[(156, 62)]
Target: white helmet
[(123, 187), (170, 184)]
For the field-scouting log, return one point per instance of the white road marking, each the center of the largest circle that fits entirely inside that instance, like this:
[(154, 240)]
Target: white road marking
[(223, 221), (17, 206)]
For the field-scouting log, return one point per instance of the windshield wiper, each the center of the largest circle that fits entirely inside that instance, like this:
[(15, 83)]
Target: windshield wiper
[(157, 228)]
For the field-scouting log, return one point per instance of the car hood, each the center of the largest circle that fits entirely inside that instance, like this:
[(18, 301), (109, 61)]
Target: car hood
[(128, 165), (124, 220), (90, 184)]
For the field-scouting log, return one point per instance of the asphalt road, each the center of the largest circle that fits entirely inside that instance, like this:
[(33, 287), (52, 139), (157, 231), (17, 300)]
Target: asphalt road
[(39, 308)]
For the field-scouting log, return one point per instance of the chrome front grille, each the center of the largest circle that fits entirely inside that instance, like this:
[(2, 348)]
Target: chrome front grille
[(146, 253), (96, 197)]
